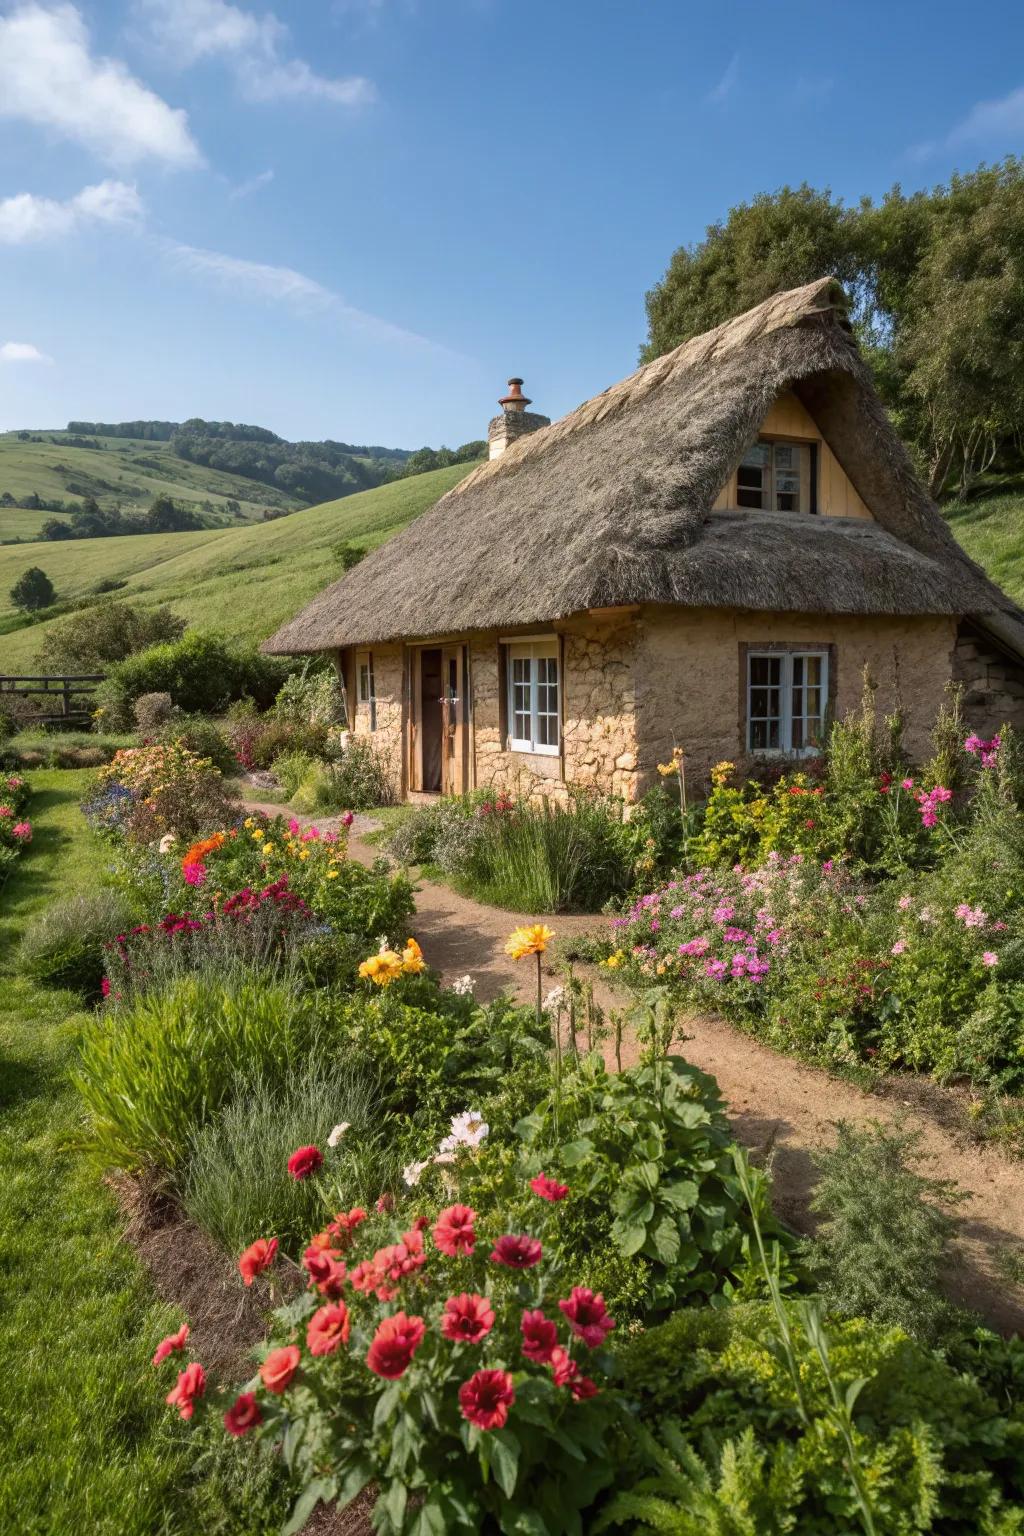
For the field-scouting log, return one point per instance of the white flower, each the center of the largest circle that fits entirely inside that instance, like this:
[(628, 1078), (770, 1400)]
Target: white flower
[(338, 1133), (413, 1173), (554, 999), (463, 987), (383, 943), (167, 842), (468, 1129), (445, 1157)]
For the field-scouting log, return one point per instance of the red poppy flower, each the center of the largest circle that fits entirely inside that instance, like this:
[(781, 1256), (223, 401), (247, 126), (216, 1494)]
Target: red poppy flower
[(588, 1316), (453, 1232), (346, 1222), (516, 1252), (467, 1319), (305, 1161), (327, 1329), (539, 1337), (256, 1258), (396, 1341), (486, 1398), (170, 1345), (279, 1367), (243, 1415), (548, 1189), (326, 1271), (191, 1384), (421, 1223), (566, 1373)]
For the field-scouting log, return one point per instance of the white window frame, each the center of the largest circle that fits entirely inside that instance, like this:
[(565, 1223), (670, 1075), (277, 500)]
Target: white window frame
[(533, 652), (786, 659), (771, 473), (366, 690)]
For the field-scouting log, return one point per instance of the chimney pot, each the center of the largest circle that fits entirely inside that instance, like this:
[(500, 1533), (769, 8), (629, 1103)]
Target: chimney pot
[(515, 400), (515, 420)]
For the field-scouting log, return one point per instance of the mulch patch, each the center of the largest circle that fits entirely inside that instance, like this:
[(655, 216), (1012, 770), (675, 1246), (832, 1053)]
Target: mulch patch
[(225, 1321)]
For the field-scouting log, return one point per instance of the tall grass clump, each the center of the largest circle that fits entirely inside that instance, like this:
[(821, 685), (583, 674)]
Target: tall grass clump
[(549, 858), (151, 1072), (236, 1182), (63, 944)]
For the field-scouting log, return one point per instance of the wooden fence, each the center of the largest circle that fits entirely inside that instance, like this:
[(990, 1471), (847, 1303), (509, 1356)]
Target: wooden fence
[(65, 690)]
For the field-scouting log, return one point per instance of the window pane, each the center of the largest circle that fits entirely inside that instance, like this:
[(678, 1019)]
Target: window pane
[(766, 670), (757, 455), (786, 456)]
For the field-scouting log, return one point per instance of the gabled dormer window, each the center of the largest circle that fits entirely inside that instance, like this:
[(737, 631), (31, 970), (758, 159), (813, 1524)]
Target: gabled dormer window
[(775, 477)]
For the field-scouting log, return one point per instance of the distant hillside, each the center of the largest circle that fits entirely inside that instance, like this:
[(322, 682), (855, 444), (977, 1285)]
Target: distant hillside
[(242, 581)]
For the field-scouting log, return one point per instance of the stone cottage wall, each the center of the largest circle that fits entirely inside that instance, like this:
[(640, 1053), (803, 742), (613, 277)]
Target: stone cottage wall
[(689, 662), (993, 685), (388, 678), (598, 717)]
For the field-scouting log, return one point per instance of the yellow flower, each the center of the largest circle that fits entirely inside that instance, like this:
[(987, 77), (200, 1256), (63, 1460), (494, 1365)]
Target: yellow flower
[(249, 822), (268, 847), (304, 854), (533, 940), (613, 961), (412, 957), (383, 968), (720, 772), (332, 874)]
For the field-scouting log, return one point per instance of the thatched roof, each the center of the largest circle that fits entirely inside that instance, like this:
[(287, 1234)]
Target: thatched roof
[(611, 506)]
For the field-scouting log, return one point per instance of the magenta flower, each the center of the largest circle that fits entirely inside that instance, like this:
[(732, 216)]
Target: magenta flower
[(990, 958), (22, 830)]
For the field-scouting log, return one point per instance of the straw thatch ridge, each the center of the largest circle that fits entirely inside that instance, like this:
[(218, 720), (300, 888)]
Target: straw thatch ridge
[(611, 506)]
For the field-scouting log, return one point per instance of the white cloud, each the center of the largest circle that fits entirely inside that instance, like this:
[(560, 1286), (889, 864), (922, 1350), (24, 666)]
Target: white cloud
[(49, 76), (26, 218), (998, 125), (22, 352), (255, 47), (728, 81), (253, 184)]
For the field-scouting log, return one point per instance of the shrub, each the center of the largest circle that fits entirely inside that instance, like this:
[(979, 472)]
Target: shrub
[(360, 779), (152, 1072), (940, 1450), (200, 737), (151, 711), (311, 697), (97, 637), (202, 673), (236, 1182), (291, 768), (63, 945), (484, 1422), (549, 858), (884, 1243), (147, 792), (440, 834)]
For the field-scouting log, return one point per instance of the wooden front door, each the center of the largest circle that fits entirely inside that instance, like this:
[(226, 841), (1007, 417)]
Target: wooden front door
[(454, 718)]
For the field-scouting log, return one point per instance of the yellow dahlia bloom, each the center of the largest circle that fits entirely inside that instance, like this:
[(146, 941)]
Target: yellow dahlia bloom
[(412, 957), (383, 968), (533, 940)]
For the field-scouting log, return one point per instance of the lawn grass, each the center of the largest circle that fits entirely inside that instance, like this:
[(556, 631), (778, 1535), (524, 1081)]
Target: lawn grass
[(246, 581), (88, 1444)]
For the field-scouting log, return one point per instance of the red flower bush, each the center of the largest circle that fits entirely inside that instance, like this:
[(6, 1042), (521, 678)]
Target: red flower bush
[(191, 1384), (256, 1258), (171, 1345), (453, 1234), (588, 1316), (305, 1161), (548, 1189), (326, 1272), (516, 1252), (243, 1415), (486, 1398), (279, 1367), (394, 1344), (328, 1329), (467, 1318)]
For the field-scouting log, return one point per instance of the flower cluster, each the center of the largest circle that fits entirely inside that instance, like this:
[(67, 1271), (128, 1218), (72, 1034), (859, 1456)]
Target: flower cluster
[(929, 801), (986, 750), (468, 1132), (15, 829), (502, 805), (388, 964)]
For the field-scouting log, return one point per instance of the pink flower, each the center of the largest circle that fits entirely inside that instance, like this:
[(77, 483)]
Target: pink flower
[(698, 946), (191, 1385), (899, 947), (566, 1373), (453, 1233), (588, 1316), (540, 1337), (516, 1252), (905, 902), (906, 783), (467, 1319), (549, 1189), (486, 1398), (244, 1414), (279, 1367), (347, 819), (305, 1161), (716, 969), (22, 830), (105, 987), (194, 874), (396, 1341), (294, 827), (171, 1345), (990, 958)]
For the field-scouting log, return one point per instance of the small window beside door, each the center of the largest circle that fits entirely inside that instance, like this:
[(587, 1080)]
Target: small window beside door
[(534, 705), (366, 692), (775, 477), (787, 701)]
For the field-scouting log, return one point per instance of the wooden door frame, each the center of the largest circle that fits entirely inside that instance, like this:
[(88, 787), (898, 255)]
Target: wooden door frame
[(463, 725)]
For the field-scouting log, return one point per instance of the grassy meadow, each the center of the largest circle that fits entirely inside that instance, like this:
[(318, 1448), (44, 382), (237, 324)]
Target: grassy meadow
[(245, 581)]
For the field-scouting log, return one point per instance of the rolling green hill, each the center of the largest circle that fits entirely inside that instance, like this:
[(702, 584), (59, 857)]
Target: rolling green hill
[(128, 471), (242, 581)]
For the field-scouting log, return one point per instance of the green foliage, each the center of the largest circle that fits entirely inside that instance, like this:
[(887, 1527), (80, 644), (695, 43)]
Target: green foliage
[(235, 1181), (98, 637), (154, 1071), (940, 1448), (201, 736), (167, 516), (359, 779), (883, 1244), (62, 946), (201, 672), (33, 590)]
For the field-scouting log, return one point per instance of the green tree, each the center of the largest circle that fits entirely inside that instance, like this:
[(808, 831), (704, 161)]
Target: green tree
[(32, 590), (97, 637), (165, 516)]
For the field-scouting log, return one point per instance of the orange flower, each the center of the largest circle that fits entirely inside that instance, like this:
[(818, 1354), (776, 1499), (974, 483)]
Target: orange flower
[(198, 851)]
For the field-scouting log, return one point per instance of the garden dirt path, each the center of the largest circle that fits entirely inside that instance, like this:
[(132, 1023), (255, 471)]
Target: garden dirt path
[(779, 1108)]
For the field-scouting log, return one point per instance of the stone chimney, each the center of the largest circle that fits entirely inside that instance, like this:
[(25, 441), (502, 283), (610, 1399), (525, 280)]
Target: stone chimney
[(515, 420)]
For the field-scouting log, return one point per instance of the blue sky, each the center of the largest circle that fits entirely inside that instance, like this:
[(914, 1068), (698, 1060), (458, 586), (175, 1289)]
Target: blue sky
[(355, 218)]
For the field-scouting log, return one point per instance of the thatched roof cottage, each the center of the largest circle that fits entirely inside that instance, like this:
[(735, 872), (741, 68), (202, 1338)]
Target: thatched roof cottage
[(708, 553)]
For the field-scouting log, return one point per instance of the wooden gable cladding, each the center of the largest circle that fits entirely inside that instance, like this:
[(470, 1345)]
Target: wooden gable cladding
[(836, 494)]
